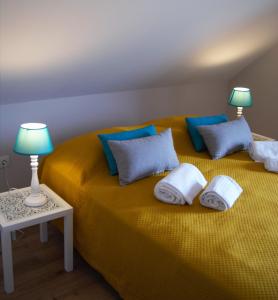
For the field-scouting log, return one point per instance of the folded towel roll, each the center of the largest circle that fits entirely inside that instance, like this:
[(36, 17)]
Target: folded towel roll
[(261, 150), (221, 193), (271, 164), (180, 186)]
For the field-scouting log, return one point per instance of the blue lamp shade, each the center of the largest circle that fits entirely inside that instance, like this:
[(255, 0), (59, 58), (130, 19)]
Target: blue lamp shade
[(33, 139), (241, 97)]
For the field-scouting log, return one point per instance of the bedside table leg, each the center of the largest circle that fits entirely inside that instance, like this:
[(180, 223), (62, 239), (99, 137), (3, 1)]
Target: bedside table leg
[(43, 232), (14, 235), (68, 243), (7, 258)]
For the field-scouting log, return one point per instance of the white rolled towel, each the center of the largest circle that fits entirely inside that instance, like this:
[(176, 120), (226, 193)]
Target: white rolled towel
[(271, 164), (261, 150), (221, 193), (180, 186)]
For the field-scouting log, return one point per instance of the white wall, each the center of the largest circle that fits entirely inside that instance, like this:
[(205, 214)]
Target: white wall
[(67, 117), (262, 78), (51, 49)]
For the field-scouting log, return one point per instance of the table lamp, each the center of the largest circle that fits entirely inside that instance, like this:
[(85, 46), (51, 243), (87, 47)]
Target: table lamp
[(33, 139), (240, 97)]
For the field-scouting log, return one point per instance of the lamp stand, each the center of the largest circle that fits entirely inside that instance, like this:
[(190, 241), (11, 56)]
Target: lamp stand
[(239, 112), (36, 198)]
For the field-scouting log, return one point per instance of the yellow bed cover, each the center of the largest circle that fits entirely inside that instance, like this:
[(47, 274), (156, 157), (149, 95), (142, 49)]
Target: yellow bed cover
[(150, 250)]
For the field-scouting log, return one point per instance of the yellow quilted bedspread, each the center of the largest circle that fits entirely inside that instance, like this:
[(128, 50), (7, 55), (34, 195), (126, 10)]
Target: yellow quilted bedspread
[(150, 250)]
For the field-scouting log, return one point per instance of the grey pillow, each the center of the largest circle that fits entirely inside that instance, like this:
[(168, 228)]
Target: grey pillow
[(142, 157), (226, 138)]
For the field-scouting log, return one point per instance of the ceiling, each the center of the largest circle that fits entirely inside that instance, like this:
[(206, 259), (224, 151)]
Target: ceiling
[(52, 49)]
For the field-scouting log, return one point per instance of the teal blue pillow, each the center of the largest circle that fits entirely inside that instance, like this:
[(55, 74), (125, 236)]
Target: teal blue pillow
[(122, 136), (195, 136)]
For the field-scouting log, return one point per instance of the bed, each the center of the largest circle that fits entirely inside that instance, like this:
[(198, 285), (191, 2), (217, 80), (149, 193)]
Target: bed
[(150, 250)]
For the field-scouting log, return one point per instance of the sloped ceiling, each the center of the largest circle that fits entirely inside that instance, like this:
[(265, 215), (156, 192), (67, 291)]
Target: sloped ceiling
[(63, 48)]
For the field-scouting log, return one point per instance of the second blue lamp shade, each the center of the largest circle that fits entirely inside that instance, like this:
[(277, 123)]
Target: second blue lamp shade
[(240, 97)]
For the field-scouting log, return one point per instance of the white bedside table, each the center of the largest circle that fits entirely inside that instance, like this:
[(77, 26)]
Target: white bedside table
[(259, 137), (15, 215)]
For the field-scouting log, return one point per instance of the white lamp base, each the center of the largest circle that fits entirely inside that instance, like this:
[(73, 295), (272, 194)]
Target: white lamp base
[(35, 200), (239, 112)]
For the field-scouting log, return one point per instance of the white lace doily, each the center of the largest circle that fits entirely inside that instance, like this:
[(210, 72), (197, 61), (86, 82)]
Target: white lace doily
[(12, 205)]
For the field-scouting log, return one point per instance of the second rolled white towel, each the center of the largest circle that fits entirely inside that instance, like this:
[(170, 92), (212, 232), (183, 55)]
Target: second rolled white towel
[(180, 186), (221, 193)]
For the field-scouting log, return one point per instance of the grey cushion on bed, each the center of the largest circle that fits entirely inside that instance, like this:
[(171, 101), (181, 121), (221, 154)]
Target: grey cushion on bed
[(139, 158), (226, 138)]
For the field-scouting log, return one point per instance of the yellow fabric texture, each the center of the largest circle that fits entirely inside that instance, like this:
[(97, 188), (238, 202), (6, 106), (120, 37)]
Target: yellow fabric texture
[(150, 250)]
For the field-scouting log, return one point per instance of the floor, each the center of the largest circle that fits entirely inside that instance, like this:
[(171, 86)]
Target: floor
[(39, 271)]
